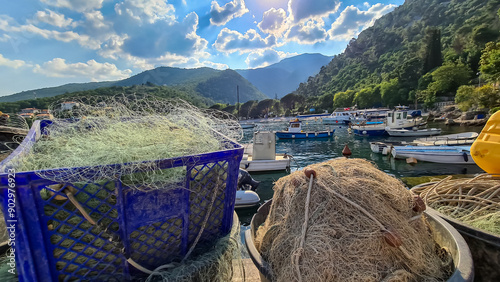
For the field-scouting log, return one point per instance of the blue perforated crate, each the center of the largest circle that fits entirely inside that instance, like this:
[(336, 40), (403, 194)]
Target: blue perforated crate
[(55, 241)]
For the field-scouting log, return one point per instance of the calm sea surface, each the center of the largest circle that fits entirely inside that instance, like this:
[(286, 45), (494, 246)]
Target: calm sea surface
[(306, 152)]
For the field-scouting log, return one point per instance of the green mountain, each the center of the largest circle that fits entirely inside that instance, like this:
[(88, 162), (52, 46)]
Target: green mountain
[(423, 46), (212, 86), (53, 91), (285, 76)]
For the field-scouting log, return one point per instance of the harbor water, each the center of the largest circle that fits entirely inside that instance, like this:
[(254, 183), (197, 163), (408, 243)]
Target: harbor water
[(306, 152)]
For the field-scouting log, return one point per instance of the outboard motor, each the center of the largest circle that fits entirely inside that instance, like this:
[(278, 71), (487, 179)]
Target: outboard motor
[(245, 179)]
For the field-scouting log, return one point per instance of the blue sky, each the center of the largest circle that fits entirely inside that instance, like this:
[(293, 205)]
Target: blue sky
[(46, 43)]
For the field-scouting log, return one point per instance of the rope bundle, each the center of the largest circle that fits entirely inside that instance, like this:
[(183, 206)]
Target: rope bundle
[(474, 201)]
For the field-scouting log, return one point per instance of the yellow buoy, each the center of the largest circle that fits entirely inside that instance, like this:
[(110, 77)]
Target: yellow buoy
[(486, 148)]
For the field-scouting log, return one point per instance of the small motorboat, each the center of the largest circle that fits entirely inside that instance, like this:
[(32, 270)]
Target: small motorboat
[(400, 118), (340, 116), (261, 155), (295, 131), (435, 154), (465, 138), (413, 132), (384, 147)]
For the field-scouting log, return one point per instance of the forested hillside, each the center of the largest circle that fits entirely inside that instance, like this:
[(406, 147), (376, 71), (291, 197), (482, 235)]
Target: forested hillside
[(210, 85), (424, 49), (147, 89)]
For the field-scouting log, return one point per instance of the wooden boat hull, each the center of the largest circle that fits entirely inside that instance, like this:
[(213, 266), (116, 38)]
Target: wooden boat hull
[(304, 135), (435, 154)]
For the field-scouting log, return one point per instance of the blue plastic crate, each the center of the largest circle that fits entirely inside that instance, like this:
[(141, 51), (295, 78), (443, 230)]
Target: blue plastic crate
[(54, 241)]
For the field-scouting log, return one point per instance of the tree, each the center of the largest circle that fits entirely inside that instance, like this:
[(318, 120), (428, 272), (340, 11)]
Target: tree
[(325, 102), (246, 108), (490, 62), (367, 97), (448, 77), (343, 99), (288, 101), (389, 91), (264, 107), (465, 97), (431, 54), (487, 96)]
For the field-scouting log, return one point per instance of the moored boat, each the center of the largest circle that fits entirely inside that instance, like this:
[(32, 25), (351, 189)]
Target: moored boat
[(413, 132), (340, 116), (295, 131), (435, 154), (465, 138), (261, 155), (396, 119)]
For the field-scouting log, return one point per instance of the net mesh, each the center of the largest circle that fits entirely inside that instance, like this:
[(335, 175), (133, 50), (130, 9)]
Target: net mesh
[(473, 201), (355, 216), (129, 130)]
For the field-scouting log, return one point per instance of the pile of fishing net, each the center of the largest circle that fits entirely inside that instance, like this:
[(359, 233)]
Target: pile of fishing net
[(131, 130), (473, 201), (96, 142), (351, 222)]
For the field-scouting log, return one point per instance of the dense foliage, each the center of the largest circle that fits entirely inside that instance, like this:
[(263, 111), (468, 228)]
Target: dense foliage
[(424, 49)]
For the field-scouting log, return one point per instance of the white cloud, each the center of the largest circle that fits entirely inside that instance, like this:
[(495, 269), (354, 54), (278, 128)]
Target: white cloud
[(301, 10), (64, 36), (265, 57), (161, 38), (309, 32), (75, 5), (9, 25), (230, 41), (351, 21), (53, 18), (221, 15), (4, 38), (273, 22), (93, 70), (148, 11), (11, 63)]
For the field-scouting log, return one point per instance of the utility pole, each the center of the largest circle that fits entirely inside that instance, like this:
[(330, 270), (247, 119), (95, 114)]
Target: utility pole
[(238, 100)]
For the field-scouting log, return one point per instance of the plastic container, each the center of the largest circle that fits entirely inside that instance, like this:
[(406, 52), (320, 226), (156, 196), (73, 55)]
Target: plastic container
[(444, 235), (54, 241), (486, 148)]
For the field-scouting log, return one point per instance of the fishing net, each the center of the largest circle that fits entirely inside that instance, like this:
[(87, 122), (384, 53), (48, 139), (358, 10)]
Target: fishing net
[(129, 130), (96, 145), (220, 262), (473, 201), (355, 223)]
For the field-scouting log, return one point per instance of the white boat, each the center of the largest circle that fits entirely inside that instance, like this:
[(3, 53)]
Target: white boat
[(435, 154), (246, 199), (465, 138), (340, 116), (413, 132), (384, 147), (261, 154), (396, 119)]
